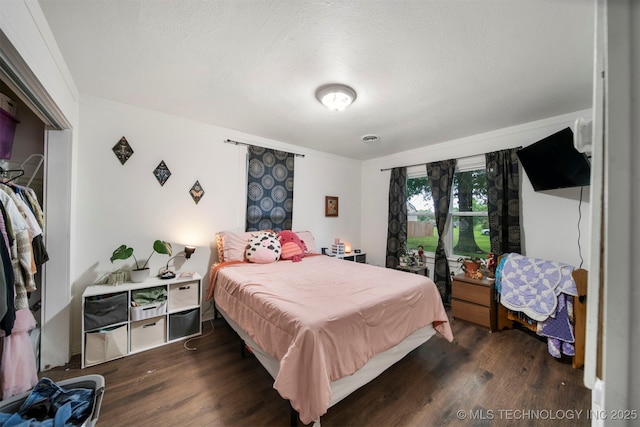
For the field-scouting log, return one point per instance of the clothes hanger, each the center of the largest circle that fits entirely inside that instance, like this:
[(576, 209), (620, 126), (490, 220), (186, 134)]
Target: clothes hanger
[(6, 179)]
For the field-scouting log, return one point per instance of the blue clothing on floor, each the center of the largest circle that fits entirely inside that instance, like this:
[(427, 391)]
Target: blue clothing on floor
[(49, 405)]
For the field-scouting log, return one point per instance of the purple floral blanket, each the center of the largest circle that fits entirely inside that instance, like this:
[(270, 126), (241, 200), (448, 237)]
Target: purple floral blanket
[(532, 285)]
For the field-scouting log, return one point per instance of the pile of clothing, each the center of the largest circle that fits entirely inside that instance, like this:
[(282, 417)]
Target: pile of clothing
[(49, 404)]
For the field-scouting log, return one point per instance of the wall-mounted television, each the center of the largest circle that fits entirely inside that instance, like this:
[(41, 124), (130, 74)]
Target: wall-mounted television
[(554, 162)]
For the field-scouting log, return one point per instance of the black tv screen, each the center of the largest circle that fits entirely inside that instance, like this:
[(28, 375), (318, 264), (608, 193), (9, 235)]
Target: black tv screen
[(553, 162)]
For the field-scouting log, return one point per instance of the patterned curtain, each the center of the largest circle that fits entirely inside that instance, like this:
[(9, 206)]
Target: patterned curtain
[(503, 201), (397, 230), (441, 180), (270, 190)]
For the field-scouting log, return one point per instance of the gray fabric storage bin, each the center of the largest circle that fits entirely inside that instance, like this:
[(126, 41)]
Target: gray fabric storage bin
[(184, 324), (106, 311)]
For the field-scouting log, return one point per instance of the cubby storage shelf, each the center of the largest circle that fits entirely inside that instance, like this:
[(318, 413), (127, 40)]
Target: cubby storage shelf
[(113, 328)]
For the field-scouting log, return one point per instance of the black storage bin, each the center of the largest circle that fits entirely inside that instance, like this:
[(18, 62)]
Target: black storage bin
[(106, 311), (184, 324)]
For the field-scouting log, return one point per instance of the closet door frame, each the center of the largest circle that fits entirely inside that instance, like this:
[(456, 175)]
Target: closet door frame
[(55, 340), (33, 68)]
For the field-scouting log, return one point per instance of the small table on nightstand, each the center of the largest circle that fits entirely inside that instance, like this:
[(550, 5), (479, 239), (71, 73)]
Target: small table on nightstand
[(417, 269), (472, 300)]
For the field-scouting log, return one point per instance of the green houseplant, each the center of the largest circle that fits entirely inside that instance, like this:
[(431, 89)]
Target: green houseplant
[(141, 272)]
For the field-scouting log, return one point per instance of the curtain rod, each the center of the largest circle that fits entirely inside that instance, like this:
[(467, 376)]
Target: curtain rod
[(230, 141), (424, 163)]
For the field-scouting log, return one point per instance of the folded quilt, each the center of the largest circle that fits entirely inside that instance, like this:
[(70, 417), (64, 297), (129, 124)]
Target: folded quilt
[(532, 285), (558, 329)]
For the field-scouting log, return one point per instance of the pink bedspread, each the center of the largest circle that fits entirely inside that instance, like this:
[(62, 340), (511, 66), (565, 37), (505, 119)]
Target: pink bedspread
[(324, 318)]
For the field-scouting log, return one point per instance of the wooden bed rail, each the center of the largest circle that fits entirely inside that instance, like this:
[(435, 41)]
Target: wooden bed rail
[(506, 318)]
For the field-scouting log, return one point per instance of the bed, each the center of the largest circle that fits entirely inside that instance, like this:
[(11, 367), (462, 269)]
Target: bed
[(323, 327)]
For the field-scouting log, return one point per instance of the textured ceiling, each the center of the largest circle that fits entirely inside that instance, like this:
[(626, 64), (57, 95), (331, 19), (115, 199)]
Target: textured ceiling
[(425, 71)]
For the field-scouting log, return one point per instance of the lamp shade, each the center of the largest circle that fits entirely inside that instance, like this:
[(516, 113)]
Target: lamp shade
[(188, 251), (336, 96)]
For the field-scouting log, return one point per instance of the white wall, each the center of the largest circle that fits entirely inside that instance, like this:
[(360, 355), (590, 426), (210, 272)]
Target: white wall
[(549, 219), (125, 204)]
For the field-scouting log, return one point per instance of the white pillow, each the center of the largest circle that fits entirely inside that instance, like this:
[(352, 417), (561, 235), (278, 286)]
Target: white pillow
[(308, 240), (234, 245)]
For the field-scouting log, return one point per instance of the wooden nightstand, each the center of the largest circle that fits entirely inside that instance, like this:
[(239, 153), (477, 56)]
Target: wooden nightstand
[(472, 300)]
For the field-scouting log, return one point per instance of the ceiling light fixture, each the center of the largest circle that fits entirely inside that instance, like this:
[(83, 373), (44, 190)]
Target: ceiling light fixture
[(336, 96), (370, 138)]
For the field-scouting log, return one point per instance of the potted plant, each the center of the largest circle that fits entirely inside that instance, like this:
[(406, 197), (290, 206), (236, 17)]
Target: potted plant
[(141, 272), (403, 256), (473, 267)]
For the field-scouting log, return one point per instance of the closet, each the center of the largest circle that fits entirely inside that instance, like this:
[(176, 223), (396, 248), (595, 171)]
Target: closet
[(22, 166)]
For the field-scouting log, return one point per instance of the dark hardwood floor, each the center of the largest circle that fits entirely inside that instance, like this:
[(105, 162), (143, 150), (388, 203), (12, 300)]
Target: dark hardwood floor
[(494, 379)]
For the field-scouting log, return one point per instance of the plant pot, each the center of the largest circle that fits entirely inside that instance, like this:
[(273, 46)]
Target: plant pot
[(138, 276), (117, 277), (471, 268)]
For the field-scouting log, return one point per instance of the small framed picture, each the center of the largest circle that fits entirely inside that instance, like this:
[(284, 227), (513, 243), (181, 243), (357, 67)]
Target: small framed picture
[(330, 206)]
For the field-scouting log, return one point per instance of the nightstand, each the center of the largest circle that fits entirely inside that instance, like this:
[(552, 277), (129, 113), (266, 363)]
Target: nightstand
[(360, 257), (424, 270), (472, 300)]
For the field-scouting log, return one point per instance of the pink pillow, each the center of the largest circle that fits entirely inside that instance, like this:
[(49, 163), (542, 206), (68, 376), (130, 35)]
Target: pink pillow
[(292, 247), (309, 241)]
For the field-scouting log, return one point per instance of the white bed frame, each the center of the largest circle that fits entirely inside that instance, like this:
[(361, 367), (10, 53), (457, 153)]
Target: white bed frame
[(344, 386)]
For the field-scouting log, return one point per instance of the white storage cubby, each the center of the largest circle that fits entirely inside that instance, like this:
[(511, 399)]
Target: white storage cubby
[(112, 327)]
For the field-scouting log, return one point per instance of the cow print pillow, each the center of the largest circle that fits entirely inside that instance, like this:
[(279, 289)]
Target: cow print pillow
[(263, 248)]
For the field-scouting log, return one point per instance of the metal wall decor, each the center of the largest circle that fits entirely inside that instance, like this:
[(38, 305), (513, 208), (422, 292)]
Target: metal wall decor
[(162, 173), (196, 192), (123, 150)]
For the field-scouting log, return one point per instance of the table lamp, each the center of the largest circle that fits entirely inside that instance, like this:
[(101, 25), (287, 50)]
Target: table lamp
[(166, 273)]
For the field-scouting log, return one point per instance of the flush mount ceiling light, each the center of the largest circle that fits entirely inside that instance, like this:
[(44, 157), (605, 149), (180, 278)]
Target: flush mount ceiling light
[(336, 96)]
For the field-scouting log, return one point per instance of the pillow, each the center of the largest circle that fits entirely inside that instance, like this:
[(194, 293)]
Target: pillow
[(263, 248), (219, 246), (234, 245), (309, 241), (292, 247)]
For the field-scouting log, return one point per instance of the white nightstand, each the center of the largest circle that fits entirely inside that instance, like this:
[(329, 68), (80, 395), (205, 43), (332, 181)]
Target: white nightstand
[(352, 256)]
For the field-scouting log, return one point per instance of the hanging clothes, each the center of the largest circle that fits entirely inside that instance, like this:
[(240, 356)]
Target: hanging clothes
[(31, 210), (7, 280), (32, 200), (22, 252), (19, 372)]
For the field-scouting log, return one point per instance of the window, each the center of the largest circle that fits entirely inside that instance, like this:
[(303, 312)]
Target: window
[(467, 230)]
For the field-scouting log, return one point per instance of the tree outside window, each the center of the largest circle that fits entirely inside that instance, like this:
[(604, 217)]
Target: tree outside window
[(468, 230), (469, 215)]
